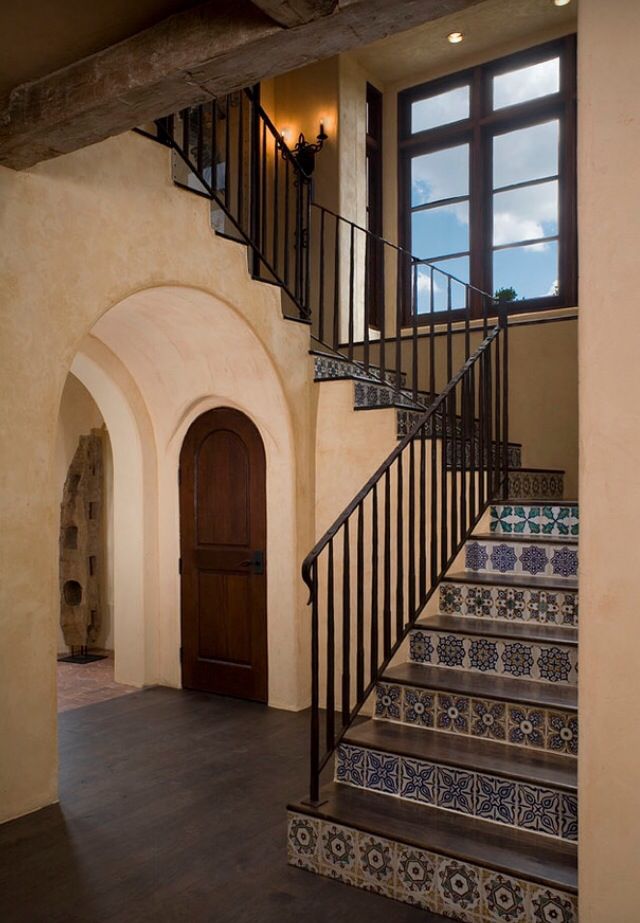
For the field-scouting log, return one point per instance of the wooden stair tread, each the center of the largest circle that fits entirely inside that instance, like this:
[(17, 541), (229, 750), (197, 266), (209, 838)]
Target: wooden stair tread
[(538, 582), (496, 628), (516, 852), (534, 501), (524, 539), (478, 685), (473, 753), (539, 470)]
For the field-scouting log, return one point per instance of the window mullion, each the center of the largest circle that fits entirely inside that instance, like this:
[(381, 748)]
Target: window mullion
[(477, 188)]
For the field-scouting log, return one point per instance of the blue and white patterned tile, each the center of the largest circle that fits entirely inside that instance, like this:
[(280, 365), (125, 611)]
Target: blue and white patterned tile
[(538, 809), (503, 899), (568, 816), (548, 559), (550, 906), (488, 719), (562, 732), (456, 790), (382, 772), (551, 663), (496, 799), (303, 838), (350, 765), (418, 707), (417, 780), (388, 701), (561, 520), (452, 713), (459, 890), (526, 727), (421, 646), (508, 603)]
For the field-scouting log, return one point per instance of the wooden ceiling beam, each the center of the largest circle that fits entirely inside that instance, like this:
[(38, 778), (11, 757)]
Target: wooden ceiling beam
[(207, 51), (291, 13)]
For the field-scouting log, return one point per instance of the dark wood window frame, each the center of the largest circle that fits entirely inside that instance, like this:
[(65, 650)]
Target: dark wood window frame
[(375, 252), (478, 131)]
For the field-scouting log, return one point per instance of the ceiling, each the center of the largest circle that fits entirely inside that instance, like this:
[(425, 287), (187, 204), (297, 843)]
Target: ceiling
[(486, 26), (40, 36)]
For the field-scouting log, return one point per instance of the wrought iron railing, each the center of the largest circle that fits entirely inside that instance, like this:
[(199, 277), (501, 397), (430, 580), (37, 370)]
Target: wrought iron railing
[(365, 297), (402, 322), (375, 568)]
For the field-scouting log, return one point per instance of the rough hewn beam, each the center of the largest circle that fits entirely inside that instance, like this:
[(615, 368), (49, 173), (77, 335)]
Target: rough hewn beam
[(184, 60), (291, 13)]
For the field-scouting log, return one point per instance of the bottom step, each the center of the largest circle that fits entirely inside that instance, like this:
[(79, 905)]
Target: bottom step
[(462, 868)]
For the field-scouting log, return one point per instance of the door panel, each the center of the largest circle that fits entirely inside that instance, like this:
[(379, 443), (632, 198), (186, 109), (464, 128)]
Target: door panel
[(223, 538)]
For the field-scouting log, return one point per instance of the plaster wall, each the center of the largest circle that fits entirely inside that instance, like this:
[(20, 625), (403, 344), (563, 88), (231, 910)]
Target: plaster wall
[(81, 234), (609, 204)]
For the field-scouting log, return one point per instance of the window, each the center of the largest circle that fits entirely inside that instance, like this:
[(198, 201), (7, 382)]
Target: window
[(488, 179), (375, 254)]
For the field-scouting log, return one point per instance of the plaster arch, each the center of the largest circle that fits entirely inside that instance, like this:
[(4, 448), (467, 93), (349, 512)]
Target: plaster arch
[(154, 362)]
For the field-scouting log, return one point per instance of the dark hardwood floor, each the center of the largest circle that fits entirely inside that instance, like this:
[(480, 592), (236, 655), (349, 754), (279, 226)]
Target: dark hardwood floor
[(172, 808)]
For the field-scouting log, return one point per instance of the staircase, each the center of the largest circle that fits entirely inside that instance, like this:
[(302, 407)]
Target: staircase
[(456, 790), (443, 734)]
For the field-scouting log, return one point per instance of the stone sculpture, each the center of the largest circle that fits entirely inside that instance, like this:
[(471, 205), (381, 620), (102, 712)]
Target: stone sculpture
[(81, 536)]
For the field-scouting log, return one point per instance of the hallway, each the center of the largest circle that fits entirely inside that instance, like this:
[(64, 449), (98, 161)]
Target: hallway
[(172, 809)]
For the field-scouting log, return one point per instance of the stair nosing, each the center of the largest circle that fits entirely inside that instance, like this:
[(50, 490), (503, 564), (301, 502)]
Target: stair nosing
[(463, 761), (472, 625), (525, 539), (446, 677), (519, 580), (476, 826)]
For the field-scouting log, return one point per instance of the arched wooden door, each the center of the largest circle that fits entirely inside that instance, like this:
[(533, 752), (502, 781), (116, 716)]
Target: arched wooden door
[(223, 532)]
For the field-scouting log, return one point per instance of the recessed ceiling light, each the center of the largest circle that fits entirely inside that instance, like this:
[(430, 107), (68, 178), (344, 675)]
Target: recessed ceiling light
[(455, 37), (561, 2)]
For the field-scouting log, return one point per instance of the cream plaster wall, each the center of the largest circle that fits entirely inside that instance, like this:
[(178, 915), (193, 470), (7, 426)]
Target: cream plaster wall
[(609, 205), (81, 234)]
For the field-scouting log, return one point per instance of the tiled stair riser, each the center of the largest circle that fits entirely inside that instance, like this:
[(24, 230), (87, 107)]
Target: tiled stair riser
[(371, 395), (535, 485), (544, 559), (328, 368), (510, 603), (540, 519), (555, 730), (524, 805), (546, 662), (437, 883)]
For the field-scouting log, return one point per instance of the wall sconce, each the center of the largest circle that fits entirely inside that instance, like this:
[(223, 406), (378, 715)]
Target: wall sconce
[(305, 151)]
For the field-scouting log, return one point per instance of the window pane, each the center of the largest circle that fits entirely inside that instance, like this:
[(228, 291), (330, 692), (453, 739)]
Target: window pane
[(440, 175), (532, 271), (526, 154), (459, 268), (526, 83), (440, 110), (525, 214), (442, 230)]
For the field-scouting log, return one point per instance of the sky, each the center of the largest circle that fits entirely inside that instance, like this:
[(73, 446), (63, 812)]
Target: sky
[(527, 213)]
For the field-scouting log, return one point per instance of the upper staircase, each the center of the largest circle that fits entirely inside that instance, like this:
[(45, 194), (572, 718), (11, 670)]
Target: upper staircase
[(444, 605)]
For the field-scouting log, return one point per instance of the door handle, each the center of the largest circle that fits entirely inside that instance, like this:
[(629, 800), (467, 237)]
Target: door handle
[(255, 562)]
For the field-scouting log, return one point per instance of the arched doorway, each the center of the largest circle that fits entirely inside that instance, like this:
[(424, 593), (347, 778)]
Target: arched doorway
[(223, 533)]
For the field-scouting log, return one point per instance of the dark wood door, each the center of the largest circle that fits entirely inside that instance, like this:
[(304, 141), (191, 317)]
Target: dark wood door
[(223, 532)]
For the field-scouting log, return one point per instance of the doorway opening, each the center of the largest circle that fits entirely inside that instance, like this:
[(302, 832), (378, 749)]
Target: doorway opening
[(223, 533), (84, 484)]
